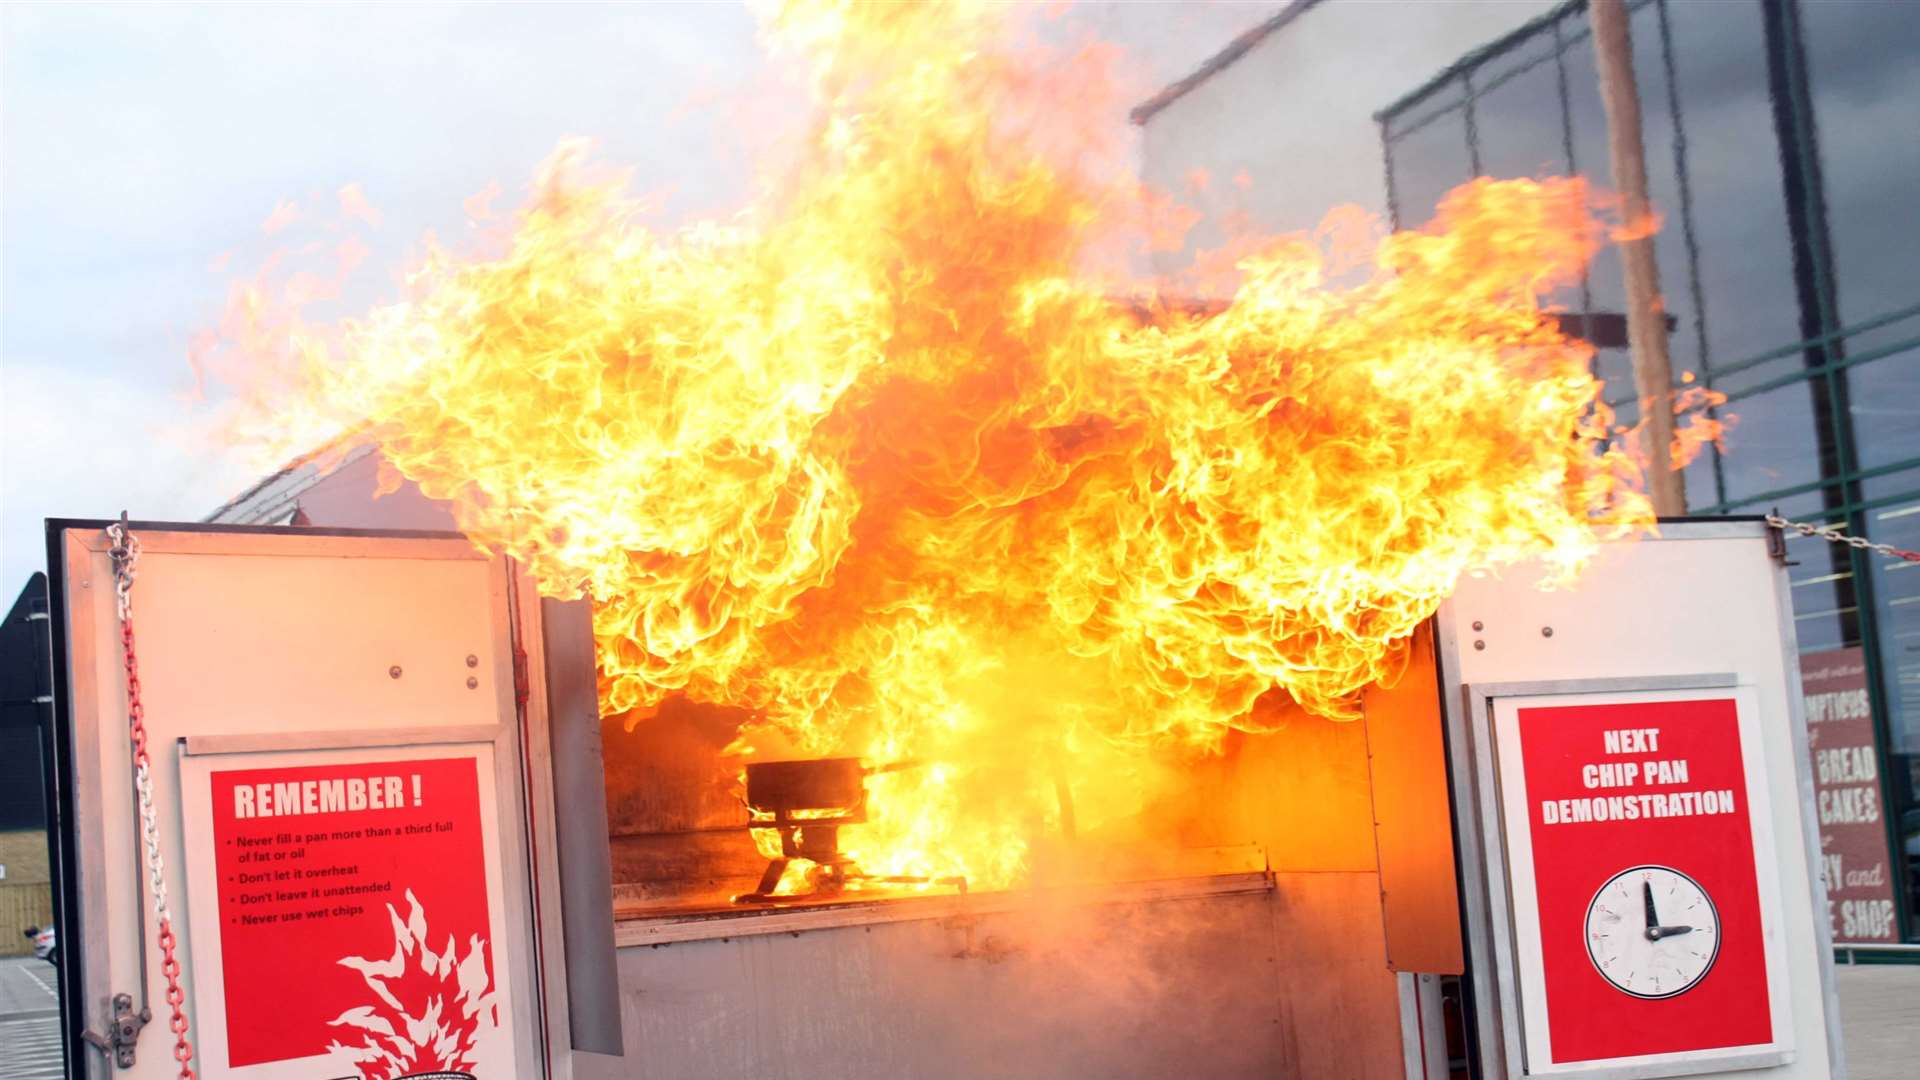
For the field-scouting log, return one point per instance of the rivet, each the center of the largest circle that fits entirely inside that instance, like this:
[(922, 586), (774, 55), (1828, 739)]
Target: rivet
[(1479, 645), (393, 672), (1478, 625), (473, 683), (1546, 631), (472, 660)]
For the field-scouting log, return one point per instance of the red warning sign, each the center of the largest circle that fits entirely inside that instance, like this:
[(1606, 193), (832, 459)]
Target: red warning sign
[(353, 915), (1651, 939)]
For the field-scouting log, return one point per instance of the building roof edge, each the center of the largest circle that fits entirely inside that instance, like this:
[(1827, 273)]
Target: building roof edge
[(1219, 61)]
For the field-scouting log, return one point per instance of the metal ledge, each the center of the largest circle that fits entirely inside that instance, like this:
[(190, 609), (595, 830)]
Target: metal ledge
[(341, 739), (665, 930)]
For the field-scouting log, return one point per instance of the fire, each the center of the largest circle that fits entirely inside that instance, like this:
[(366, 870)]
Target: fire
[(892, 462), (430, 1009)]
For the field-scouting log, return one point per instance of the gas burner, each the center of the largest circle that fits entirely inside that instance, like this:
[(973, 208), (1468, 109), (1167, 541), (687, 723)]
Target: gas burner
[(806, 802)]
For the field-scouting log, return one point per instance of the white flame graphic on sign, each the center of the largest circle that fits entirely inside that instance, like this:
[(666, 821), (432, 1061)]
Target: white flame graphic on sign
[(434, 1010)]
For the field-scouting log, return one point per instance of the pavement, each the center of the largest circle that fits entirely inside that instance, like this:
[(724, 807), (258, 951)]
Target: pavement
[(29, 1020), (1880, 1019)]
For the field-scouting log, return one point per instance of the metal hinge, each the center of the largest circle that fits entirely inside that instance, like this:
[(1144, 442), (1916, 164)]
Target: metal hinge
[(126, 1031), (519, 676)]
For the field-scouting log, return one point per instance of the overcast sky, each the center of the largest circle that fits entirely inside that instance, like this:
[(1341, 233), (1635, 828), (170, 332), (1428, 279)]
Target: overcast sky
[(138, 144)]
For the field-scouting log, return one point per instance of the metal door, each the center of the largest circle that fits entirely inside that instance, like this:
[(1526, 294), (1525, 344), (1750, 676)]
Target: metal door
[(302, 666)]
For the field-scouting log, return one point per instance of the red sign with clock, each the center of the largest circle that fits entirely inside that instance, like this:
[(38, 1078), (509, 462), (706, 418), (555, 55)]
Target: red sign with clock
[(1644, 872)]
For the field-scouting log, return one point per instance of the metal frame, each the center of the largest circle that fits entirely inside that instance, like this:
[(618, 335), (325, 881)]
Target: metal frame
[(1851, 952), (73, 958), (198, 745), (571, 836), (1479, 990), (78, 707), (1423, 1027), (669, 929), (549, 973), (1809, 814), (1413, 1044)]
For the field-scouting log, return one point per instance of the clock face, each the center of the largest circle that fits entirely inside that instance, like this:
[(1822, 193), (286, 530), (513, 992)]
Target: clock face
[(1652, 932)]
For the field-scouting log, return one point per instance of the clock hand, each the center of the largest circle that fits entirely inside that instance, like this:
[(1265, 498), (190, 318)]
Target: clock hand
[(1653, 918), (1655, 933)]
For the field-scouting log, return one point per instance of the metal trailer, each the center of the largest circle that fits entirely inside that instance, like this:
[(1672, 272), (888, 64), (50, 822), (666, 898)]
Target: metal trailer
[(1366, 906)]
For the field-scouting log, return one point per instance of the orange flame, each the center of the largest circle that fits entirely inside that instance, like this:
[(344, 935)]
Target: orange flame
[(888, 463)]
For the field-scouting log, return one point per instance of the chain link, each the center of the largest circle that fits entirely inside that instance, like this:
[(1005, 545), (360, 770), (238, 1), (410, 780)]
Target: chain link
[(125, 554), (1836, 536)]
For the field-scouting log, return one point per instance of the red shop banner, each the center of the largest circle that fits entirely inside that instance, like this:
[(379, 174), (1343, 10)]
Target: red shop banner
[(354, 918), (1846, 784), (1640, 909)]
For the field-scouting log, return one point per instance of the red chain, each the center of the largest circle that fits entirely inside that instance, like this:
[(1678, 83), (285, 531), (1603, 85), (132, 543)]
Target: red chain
[(169, 962)]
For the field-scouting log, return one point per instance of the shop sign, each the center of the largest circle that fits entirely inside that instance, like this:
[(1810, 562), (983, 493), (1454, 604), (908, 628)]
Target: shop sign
[(1846, 786)]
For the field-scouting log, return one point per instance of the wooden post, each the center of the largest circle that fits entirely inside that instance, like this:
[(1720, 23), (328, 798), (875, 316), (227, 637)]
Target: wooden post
[(1646, 314)]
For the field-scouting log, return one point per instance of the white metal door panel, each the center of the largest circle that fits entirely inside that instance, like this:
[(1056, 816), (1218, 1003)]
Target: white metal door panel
[(1706, 597), (273, 640)]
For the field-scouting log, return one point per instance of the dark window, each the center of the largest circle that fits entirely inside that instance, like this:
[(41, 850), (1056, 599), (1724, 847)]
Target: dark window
[(1738, 205), (1896, 601), (1863, 58), (1428, 161), (1516, 137), (1885, 405), (1772, 444)]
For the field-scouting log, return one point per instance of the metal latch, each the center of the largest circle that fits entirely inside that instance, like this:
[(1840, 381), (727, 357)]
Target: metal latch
[(125, 1033)]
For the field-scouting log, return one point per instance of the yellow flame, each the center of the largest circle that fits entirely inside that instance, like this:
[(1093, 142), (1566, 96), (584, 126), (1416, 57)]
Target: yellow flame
[(885, 462)]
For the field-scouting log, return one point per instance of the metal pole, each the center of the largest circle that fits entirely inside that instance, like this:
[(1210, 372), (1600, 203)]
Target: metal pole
[(1646, 315)]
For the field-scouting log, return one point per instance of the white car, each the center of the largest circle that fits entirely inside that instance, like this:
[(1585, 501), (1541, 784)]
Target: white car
[(45, 945)]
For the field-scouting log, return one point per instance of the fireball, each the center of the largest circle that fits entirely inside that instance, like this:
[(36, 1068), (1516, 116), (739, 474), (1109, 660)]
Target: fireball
[(896, 462)]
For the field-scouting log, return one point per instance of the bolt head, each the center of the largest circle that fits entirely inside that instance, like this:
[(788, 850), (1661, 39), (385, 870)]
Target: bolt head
[(1478, 625), (473, 683), (1546, 631), (1479, 645), (393, 672), (472, 660)]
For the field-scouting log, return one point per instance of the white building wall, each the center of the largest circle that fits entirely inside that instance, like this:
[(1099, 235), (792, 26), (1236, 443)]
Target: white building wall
[(1296, 112)]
